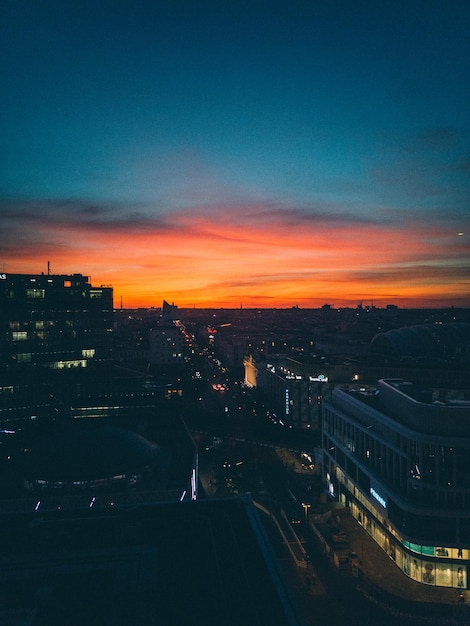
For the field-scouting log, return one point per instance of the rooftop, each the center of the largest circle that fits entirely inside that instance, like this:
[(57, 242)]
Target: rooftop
[(206, 562)]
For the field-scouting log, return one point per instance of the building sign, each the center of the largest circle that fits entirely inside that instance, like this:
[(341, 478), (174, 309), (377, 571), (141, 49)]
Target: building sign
[(3, 276), (287, 402), (378, 497), (321, 378)]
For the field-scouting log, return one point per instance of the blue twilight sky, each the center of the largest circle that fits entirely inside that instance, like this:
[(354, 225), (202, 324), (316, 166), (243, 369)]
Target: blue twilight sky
[(136, 125)]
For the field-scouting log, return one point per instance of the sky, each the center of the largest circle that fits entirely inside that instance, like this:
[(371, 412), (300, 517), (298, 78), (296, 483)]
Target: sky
[(255, 153)]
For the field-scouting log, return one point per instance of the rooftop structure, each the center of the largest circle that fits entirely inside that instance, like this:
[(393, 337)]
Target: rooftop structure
[(435, 343), (89, 454)]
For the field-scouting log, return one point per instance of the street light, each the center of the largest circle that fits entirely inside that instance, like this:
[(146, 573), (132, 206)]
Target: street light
[(306, 507)]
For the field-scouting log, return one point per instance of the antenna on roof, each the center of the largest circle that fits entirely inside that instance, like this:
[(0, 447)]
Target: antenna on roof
[(48, 268)]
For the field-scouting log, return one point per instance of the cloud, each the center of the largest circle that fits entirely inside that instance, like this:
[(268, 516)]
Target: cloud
[(221, 254), (422, 168), (434, 139)]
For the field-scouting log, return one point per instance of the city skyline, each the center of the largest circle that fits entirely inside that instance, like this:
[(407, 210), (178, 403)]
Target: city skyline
[(264, 154)]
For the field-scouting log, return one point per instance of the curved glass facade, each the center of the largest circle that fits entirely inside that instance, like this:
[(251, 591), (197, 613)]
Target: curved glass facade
[(409, 489)]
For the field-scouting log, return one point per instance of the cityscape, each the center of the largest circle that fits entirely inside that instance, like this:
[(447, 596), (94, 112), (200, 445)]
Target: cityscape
[(234, 313), (179, 465)]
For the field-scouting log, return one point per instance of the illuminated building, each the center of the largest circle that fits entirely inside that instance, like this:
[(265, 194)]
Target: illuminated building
[(399, 458), (295, 391), (251, 372)]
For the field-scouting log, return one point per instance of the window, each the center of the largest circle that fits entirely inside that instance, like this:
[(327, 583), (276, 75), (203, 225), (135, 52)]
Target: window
[(35, 293)]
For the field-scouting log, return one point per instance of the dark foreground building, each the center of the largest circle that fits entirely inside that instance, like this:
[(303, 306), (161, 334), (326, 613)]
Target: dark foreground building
[(190, 564)]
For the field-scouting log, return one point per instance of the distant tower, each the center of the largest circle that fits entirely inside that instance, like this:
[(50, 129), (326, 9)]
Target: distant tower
[(169, 311)]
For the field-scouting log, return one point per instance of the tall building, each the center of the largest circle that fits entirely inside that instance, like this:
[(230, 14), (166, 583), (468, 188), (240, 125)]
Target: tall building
[(53, 329), (53, 321), (399, 458), (251, 372)]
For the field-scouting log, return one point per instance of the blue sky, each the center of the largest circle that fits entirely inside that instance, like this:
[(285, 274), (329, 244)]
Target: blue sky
[(330, 121)]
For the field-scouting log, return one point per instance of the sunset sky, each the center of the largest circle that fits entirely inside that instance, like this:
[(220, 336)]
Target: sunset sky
[(258, 153)]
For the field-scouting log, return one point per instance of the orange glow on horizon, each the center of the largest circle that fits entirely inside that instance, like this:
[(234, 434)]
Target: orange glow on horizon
[(234, 257)]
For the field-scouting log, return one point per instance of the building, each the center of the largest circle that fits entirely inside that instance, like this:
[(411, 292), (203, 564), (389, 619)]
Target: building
[(251, 372), (422, 354), (425, 344), (54, 321), (167, 345), (54, 329), (57, 354), (399, 457), (295, 388), (90, 456)]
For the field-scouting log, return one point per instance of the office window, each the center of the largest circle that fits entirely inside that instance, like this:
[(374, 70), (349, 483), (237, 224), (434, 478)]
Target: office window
[(35, 293)]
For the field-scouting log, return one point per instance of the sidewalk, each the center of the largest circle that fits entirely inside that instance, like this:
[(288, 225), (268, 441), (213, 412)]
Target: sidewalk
[(379, 578)]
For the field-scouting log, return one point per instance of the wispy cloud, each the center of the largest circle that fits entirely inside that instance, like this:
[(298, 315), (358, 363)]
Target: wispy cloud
[(253, 253)]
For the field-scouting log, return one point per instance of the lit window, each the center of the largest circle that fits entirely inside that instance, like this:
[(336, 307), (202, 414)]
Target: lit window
[(35, 293)]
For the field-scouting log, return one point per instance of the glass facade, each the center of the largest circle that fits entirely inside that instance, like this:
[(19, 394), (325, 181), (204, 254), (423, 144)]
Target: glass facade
[(409, 489)]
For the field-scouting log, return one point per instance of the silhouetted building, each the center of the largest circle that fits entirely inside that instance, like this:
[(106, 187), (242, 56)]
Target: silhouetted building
[(169, 311), (54, 322), (88, 455), (399, 457), (53, 330)]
